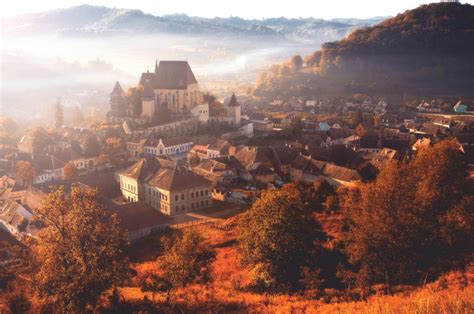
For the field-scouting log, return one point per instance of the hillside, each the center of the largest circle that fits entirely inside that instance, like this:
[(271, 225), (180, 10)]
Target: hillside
[(226, 291), (86, 20), (423, 51)]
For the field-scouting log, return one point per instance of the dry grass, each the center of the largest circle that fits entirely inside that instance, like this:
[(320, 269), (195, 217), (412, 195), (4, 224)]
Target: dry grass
[(226, 292)]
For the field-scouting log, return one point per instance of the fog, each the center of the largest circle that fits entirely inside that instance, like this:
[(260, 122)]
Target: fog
[(36, 70)]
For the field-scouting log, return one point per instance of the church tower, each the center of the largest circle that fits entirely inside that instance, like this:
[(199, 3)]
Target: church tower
[(235, 108), (148, 101), (118, 102)]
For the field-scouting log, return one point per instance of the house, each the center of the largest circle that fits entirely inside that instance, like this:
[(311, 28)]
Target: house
[(311, 103), (136, 149), (459, 107), (14, 217), (324, 126), (421, 143), (198, 150), (261, 123), (285, 156), (220, 170), (307, 169), (48, 168), (220, 148), (432, 107), (165, 185), (245, 130), (252, 158), (168, 146)]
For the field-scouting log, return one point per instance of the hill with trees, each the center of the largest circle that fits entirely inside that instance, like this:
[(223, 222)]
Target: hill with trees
[(425, 51)]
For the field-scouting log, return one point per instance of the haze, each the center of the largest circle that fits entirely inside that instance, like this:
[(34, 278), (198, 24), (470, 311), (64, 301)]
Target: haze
[(244, 8)]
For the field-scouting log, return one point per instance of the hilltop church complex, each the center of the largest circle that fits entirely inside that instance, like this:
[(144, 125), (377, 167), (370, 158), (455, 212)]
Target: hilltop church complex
[(171, 90)]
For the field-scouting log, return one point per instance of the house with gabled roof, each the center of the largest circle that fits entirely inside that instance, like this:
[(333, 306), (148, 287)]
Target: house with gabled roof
[(307, 169), (165, 185)]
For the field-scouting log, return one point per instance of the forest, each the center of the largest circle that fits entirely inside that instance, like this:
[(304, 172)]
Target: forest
[(425, 52)]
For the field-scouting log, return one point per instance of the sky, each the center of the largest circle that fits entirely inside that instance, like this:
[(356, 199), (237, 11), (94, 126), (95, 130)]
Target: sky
[(225, 8)]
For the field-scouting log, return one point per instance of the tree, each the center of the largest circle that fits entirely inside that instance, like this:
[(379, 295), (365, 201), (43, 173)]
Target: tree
[(79, 254), (90, 145), (296, 62), (278, 238), (134, 98), (25, 172), (58, 114), (40, 140), (18, 303), (413, 221), (8, 125), (115, 151), (185, 260), (70, 171)]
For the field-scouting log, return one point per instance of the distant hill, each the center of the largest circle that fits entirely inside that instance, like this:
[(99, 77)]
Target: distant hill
[(425, 51), (87, 20)]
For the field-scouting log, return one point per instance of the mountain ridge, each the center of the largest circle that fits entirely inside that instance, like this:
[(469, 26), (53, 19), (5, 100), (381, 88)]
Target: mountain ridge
[(87, 20)]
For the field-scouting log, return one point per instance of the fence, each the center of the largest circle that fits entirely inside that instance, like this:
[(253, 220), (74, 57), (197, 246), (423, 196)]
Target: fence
[(215, 223)]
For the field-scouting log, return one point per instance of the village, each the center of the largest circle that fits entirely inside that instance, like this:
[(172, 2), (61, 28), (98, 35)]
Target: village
[(178, 156)]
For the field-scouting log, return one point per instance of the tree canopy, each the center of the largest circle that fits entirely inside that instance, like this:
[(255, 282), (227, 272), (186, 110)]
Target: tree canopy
[(79, 254), (278, 238), (413, 219)]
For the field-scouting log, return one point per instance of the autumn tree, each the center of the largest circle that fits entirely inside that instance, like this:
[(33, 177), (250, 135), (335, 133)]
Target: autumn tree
[(25, 172), (79, 254), (185, 259), (18, 303), (413, 221), (279, 238), (40, 140), (8, 125), (115, 150), (70, 171), (58, 114), (90, 145), (296, 63), (134, 99)]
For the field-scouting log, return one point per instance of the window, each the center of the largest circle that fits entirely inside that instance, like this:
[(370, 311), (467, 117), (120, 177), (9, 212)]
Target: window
[(192, 194), (207, 203), (177, 208), (202, 203), (182, 197), (202, 193), (192, 205), (176, 197), (206, 192), (182, 207)]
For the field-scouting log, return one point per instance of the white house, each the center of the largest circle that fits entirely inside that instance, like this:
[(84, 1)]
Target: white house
[(168, 146)]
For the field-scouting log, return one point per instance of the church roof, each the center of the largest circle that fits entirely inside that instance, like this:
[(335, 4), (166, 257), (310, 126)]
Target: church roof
[(148, 91), (232, 101), (117, 90), (146, 77), (173, 75)]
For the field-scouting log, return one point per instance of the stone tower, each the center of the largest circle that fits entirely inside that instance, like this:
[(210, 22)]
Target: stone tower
[(118, 102), (235, 108), (148, 101)]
